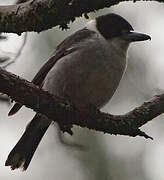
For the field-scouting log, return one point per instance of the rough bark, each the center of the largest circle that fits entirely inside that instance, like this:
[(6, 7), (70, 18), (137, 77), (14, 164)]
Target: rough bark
[(64, 112), (39, 15)]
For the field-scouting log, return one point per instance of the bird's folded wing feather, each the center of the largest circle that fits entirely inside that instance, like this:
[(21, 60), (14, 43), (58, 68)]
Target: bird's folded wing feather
[(62, 50)]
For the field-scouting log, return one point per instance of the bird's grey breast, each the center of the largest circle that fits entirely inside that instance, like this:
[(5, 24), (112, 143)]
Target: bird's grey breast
[(88, 75)]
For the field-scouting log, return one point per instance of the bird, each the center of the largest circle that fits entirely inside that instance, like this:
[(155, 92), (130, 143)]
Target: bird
[(86, 69)]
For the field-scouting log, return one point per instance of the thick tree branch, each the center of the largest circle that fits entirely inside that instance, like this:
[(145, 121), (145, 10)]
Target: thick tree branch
[(63, 112), (39, 15)]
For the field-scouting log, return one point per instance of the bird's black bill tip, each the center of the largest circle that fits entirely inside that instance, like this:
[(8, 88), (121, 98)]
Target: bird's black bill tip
[(134, 36)]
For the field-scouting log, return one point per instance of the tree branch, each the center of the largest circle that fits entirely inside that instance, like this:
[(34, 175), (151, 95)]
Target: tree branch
[(64, 112), (39, 15)]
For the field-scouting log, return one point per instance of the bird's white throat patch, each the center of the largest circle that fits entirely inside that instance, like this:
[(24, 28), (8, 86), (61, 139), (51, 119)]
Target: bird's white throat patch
[(91, 25)]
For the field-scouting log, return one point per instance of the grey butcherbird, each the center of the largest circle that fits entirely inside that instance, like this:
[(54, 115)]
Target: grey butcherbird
[(86, 68)]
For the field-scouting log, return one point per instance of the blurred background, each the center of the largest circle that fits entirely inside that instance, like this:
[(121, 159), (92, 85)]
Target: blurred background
[(106, 157)]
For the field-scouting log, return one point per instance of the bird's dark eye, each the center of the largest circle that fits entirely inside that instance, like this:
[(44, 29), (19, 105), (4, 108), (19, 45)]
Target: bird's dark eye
[(112, 25)]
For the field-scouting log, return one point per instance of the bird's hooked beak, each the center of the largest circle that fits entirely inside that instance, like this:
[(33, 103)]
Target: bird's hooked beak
[(134, 36)]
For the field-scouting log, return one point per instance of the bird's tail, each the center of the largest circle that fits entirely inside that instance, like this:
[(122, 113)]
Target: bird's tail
[(22, 153)]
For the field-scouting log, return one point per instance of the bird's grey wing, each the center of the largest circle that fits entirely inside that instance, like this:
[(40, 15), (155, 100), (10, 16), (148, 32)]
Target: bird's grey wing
[(62, 50)]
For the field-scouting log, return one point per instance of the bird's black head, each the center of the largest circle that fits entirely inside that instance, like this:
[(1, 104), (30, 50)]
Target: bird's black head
[(112, 25)]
